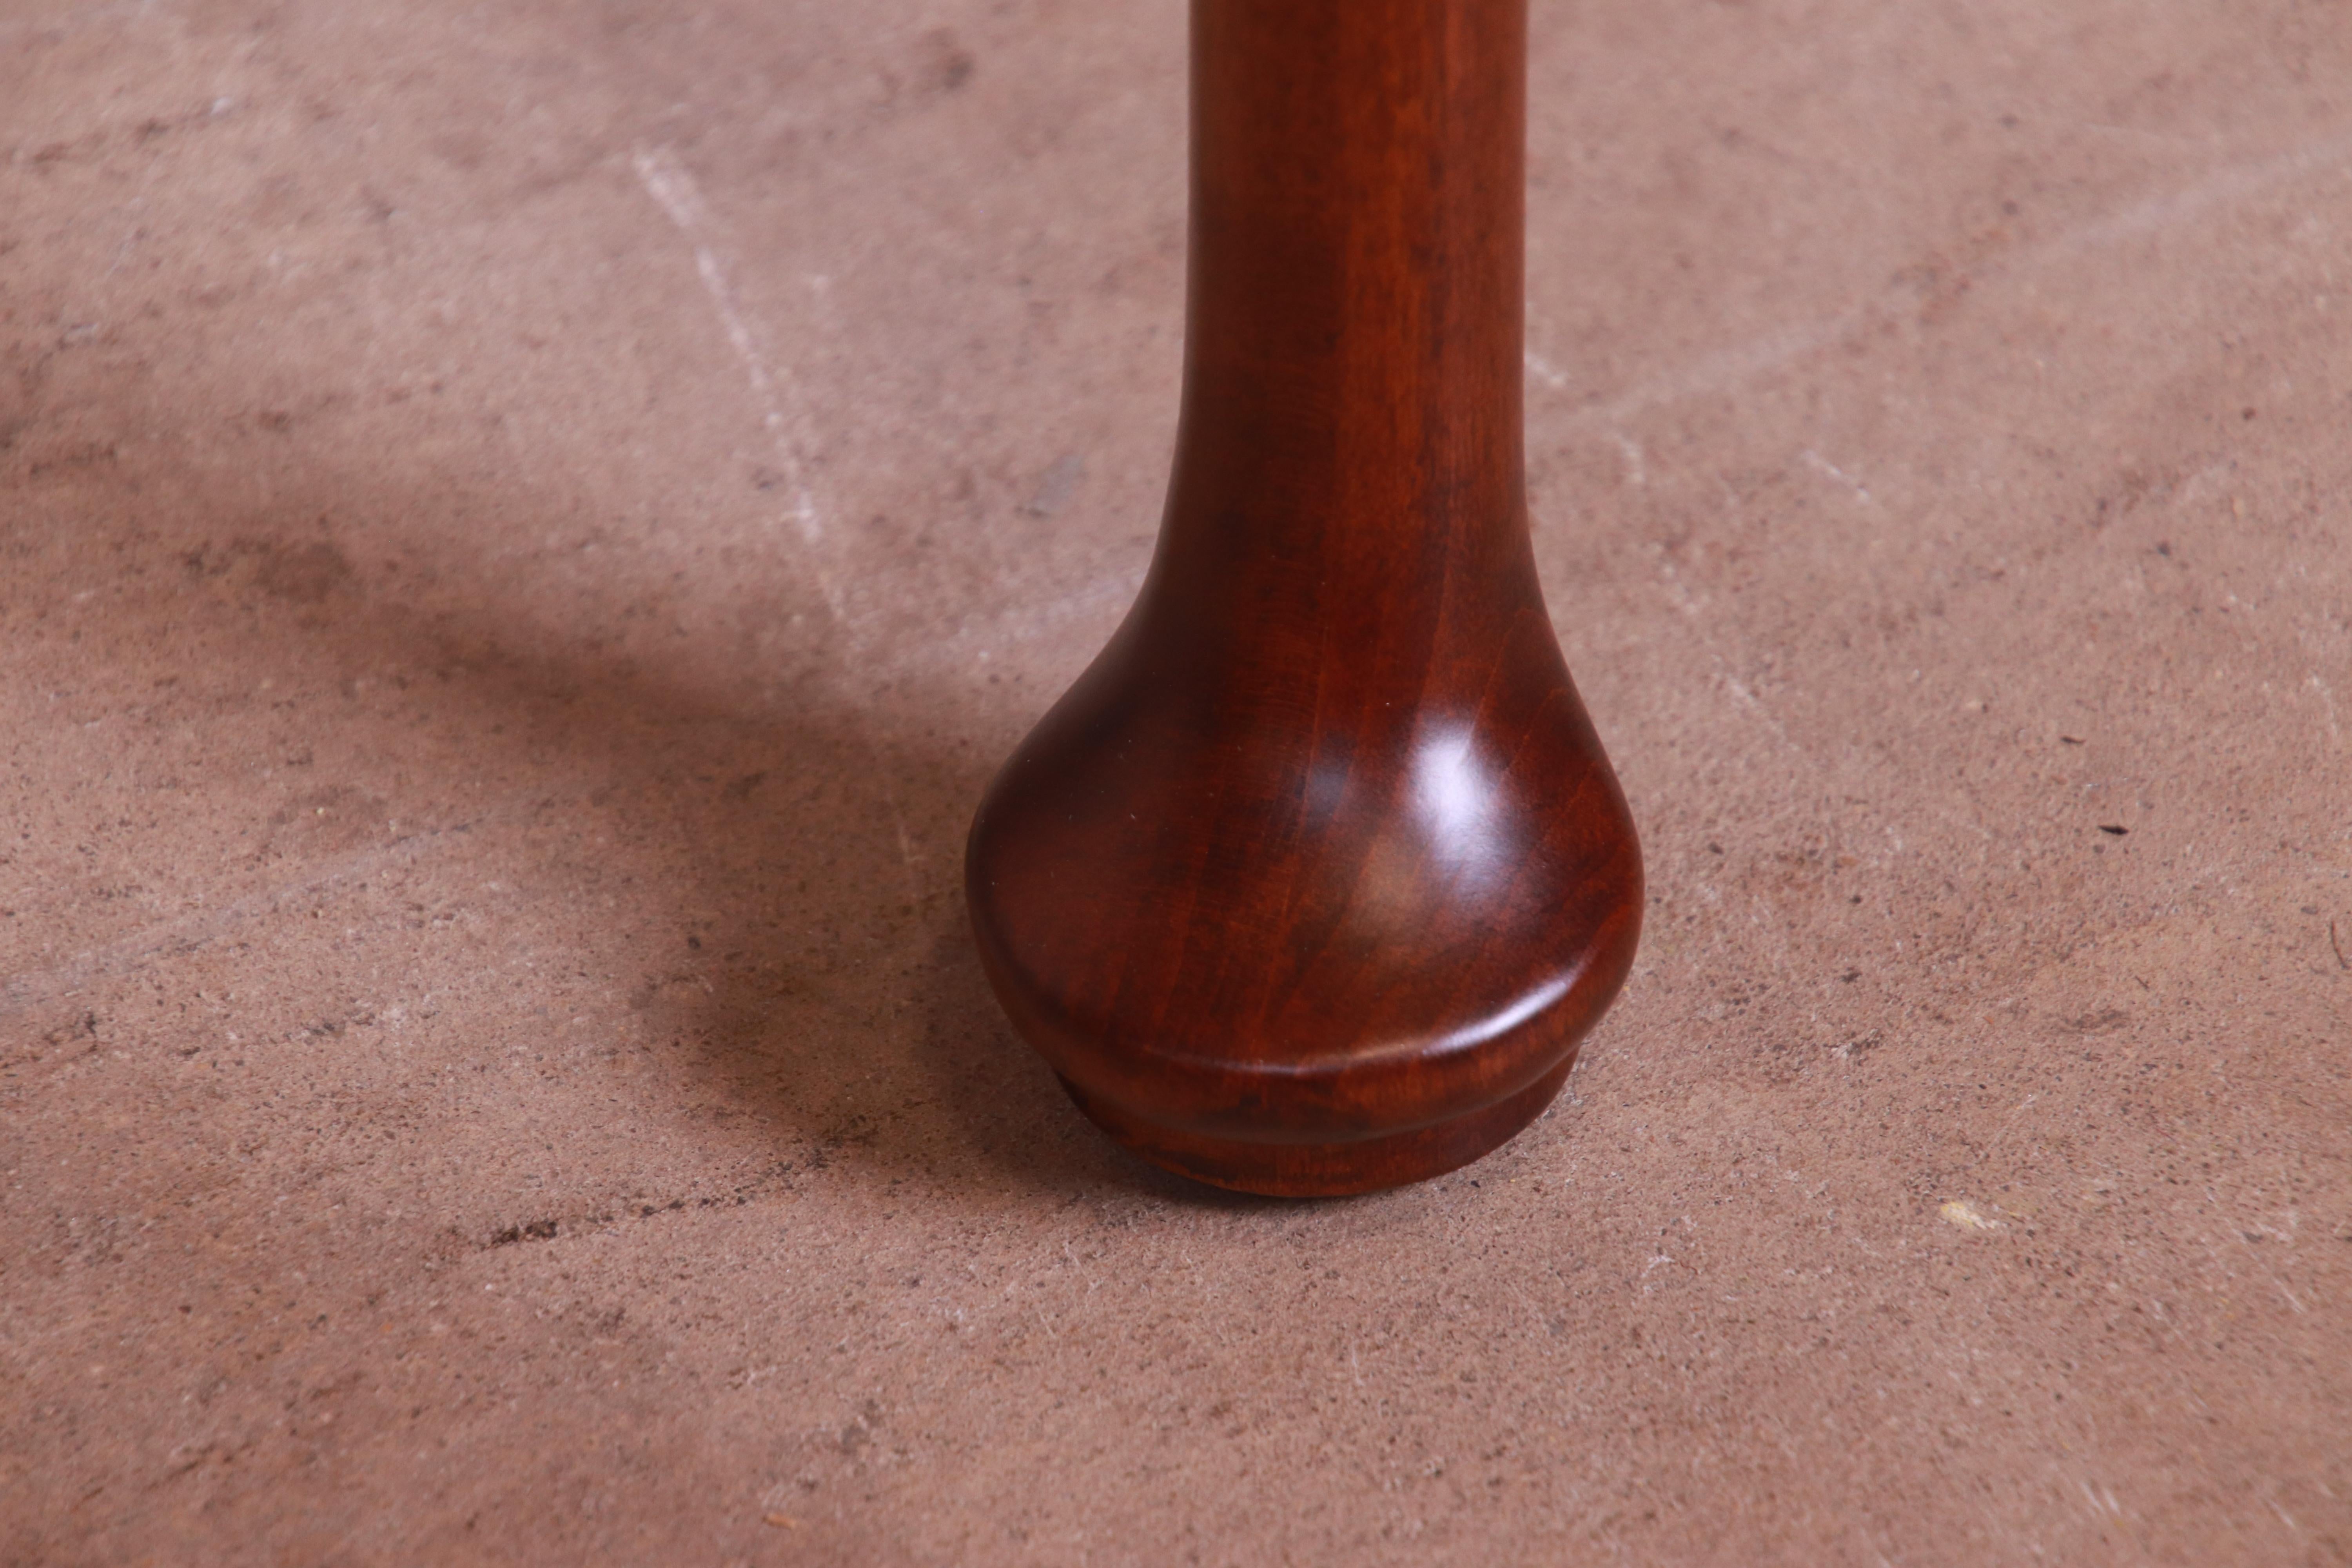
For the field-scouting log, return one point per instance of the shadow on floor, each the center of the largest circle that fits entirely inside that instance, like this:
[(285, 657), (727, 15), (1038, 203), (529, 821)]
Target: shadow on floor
[(792, 957)]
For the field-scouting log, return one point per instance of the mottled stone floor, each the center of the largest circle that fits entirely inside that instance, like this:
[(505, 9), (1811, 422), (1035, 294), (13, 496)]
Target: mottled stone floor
[(524, 528)]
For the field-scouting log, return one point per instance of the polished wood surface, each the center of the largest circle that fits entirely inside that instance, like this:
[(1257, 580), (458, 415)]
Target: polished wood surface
[(1315, 879)]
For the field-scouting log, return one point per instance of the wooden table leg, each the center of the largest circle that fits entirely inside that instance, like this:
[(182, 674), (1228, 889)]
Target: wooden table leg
[(1312, 881)]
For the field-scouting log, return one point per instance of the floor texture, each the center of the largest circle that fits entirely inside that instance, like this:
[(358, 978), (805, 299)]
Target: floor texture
[(524, 528)]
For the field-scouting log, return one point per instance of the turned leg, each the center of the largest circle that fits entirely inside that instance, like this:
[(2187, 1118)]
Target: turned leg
[(1315, 879)]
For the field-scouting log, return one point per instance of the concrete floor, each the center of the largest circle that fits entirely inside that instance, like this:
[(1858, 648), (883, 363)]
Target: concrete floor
[(523, 529)]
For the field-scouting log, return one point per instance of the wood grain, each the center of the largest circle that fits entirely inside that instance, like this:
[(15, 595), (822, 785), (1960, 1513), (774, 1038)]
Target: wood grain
[(1314, 879)]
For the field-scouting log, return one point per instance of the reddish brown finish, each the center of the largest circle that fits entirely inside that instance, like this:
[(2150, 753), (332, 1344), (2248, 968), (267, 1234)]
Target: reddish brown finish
[(1313, 881)]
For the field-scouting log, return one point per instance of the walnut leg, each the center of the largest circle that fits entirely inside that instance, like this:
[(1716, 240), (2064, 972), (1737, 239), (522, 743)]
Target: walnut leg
[(1315, 879)]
